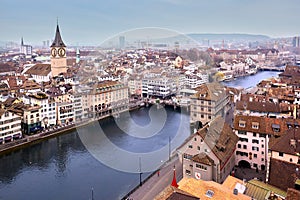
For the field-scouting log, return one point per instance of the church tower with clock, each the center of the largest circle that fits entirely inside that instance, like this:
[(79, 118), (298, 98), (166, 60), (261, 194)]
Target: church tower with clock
[(58, 55)]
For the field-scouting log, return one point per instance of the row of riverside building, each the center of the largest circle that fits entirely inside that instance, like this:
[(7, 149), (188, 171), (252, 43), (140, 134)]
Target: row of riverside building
[(36, 99)]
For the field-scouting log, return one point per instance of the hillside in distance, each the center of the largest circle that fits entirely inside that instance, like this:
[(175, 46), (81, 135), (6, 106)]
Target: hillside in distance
[(228, 37)]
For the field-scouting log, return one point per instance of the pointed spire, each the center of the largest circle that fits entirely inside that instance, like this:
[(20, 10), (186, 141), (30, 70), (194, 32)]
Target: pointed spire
[(22, 43), (174, 181), (57, 42)]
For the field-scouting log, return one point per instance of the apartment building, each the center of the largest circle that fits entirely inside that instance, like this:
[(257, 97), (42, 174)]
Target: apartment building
[(160, 87), (210, 101), (10, 126), (106, 98), (31, 122), (209, 154), (255, 136), (48, 108)]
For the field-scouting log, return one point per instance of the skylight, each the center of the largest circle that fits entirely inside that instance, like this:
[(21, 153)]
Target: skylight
[(209, 193)]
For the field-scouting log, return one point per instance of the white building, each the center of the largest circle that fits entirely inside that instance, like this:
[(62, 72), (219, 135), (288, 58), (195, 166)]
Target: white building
[(48, 108), (10, 126), (40, 72), (158, 87)]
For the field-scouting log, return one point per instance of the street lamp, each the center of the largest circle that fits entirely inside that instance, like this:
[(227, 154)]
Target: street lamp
[(140, 169)]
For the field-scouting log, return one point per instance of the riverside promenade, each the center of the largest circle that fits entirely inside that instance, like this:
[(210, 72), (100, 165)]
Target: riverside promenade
[(156, 183), (36, 138)]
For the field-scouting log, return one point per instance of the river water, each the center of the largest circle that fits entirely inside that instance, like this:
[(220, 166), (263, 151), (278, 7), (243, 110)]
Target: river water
[(251, 81), (64, 168)]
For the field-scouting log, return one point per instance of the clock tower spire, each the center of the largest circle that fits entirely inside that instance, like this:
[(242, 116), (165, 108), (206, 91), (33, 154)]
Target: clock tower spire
[(58, 54)]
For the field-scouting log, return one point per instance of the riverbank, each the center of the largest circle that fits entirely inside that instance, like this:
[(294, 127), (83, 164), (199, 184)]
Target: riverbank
[(45, 135)]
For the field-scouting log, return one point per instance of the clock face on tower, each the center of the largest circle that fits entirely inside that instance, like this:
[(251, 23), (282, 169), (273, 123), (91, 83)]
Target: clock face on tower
[(53, 52), (61, 52)]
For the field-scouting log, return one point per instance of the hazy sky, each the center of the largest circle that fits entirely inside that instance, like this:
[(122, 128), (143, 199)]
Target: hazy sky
[(92, 21)]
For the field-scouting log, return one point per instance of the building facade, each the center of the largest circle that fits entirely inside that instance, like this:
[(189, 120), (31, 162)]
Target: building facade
[(209, 154), (10, 126), (48, 108), (210, 101)]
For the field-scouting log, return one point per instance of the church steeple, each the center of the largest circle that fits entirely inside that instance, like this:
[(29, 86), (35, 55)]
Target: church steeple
[(57, 42), (22, 43), (58, 55)]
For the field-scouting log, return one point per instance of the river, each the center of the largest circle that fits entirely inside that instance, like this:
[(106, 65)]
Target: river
[(64, 168), (251, 81)]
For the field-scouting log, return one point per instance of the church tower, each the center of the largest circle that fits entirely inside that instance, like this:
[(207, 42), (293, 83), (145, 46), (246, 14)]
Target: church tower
[(58, 55)]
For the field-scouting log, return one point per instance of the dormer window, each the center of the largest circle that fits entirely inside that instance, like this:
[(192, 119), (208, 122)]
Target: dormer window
[(276, 127), (255, 125), (242, 124)]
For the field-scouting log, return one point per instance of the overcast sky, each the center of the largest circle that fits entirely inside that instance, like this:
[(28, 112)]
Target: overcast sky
[(85, 22)]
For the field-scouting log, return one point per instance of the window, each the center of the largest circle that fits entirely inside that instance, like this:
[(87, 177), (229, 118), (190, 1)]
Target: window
[(187, 156), (291, 160), (262, 135), (201, 166), (276, 127), (254, 141), (209, 117), (255, 165), (190, 146), (243, 139), (280, 154), (195, 139), (202, 109), (198, 148), (242, 132), (255, 155), (244, 146), (239, 146), (262, 146), (209, 193), (255, 125), (262, 153), (202, 116), (255, 149), (242, 124), (254, 134), (262, 159), (188, 172)]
